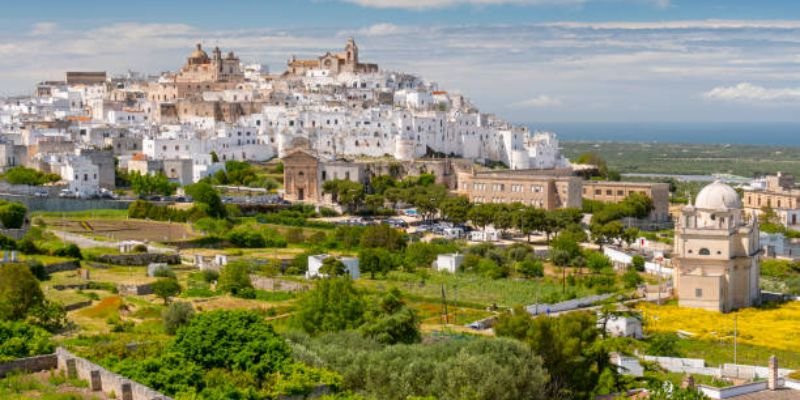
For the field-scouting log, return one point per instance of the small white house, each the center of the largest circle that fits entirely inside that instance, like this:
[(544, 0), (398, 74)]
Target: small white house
[(487, 235), (315, 263), (622, 326), (449, 262)]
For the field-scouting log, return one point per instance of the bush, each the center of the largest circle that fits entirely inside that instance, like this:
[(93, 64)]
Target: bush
[(20, 175), (12, 214), (234, 277), (663, 344), (638, 263), (632, 279), (27, 246), (531, 268), (246, 236), (209, 275), (234, 340), (176, 315), (18, 339), (70, 251), (38, 270)]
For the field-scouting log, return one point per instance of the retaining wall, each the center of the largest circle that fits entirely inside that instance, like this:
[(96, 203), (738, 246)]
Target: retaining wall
[(101, 379), (732, 391), (29, 364), (273, 284), (139, 259), (134, 289), (62, 266)]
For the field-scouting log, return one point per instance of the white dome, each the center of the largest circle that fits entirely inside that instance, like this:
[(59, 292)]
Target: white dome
[(718, 196)]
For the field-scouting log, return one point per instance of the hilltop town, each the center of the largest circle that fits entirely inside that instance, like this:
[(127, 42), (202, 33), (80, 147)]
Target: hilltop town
[(337, 230)]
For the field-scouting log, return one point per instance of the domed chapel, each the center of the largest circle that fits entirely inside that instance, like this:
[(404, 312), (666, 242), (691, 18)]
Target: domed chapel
[(716, 253)]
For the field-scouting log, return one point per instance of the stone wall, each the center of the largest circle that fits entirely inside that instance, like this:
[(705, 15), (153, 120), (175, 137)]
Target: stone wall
[(29, 364), (101, 379), (75, 306), (62, 204), (277, 285), (139, 258), (62, 266), (134, 289)]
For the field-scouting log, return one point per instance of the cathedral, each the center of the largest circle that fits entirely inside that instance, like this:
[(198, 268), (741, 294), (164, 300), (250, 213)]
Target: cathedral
[(716, 255)]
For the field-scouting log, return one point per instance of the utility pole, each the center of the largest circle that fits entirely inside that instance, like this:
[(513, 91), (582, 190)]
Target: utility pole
[(735, 318), (444, 307), (455, 304)]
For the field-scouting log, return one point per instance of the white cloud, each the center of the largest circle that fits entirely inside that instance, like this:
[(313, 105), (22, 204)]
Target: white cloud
[(541, 101), (682, 24), (429, 4), (749, 93), (382, 29), (43, 28)]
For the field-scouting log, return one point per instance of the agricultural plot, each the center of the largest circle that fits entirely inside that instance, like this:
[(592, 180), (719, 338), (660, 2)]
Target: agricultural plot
[(471, 290), (769, 327), (128, 229)]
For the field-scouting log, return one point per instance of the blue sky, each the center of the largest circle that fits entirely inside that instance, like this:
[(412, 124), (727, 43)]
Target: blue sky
[(526, 60)]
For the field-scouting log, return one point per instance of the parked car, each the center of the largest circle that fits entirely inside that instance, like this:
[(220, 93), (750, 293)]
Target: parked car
[(41, 193)]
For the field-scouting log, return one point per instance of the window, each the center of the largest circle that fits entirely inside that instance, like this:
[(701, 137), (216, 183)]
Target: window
[(698, 292), (598, 191), (704, 252), (620, 192), (608, 192)]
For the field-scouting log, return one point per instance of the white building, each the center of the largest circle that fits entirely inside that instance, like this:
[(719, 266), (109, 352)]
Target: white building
[(449, 262), (81, 176), (622, 326), (315, 263)]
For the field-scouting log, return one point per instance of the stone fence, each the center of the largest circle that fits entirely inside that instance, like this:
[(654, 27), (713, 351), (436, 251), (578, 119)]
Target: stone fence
[(134, 289), (139, 259), (275, 285), (29, 364), (62, 266), (698, 366), (101, 379)]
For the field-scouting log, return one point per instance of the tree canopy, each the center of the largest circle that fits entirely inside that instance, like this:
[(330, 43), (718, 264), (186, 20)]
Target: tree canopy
[(334, 304)]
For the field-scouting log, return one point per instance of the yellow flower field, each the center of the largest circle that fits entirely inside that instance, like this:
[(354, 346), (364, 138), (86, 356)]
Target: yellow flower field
[(776, 328)]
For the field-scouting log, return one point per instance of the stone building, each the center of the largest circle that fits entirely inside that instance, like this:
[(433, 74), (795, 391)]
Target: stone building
[(332, 63), (614, 192), (547, 189), (716, 262), (300, 176), (777, 192)]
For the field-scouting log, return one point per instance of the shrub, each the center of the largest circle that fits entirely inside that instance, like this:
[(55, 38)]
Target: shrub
[(12, 214), (246, 236), (71, 251), (638, 263), (176, 315), (234, 278), (531, 268), (209, 275), (18, 339), (38, 270)]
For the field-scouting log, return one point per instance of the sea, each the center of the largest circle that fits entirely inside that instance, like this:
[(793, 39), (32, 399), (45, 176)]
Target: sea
[(741, 133)]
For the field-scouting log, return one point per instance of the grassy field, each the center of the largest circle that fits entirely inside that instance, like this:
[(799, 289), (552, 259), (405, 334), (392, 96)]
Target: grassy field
[(703, 159), (83, 215), (46, 386), (775, 328), (720, 352), (471, 290)]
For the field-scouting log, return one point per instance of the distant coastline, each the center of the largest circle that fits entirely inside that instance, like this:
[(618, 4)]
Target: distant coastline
[(738, 133)]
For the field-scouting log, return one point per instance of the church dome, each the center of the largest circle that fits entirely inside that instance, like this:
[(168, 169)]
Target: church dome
[(718, 196), (199, 53)]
